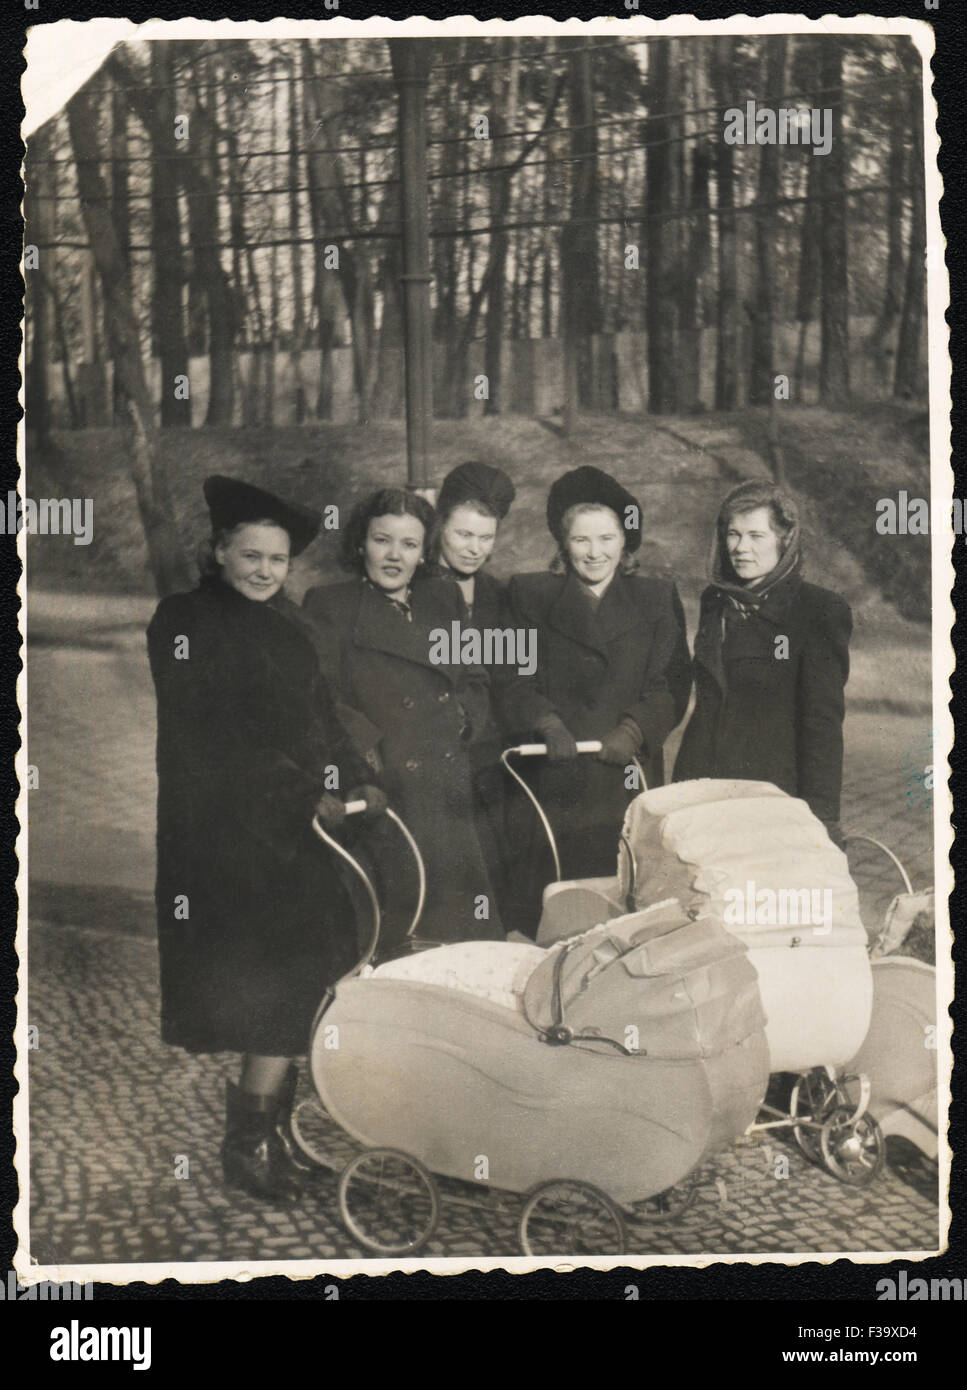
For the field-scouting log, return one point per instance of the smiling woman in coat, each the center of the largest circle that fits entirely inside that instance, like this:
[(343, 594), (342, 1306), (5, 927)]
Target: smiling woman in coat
[(253, 920), (374, 636), (612, 665), (771, 660)]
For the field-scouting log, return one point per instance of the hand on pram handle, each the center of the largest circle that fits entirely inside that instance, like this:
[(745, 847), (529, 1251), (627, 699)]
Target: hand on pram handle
[(539, 750), (366, 801)]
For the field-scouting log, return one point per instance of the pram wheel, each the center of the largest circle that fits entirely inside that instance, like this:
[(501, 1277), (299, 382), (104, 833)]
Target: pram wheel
[(813, 1097), (388, 1201), (311, 1127), (669, 1205), (571, 1218), (854, 1151)]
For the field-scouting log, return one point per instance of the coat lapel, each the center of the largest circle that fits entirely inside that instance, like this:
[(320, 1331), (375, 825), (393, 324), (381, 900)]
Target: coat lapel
[(381, 627), (619, 612), (595, 627)]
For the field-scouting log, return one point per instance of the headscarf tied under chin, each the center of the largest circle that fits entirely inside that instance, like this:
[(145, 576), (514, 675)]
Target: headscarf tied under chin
[(733, 600), (749, 496)]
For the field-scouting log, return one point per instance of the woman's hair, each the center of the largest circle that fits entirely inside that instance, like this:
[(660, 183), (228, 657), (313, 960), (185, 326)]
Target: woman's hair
[(442, 517), (208, 566), (389, 501), (749, 497), (561, 562)]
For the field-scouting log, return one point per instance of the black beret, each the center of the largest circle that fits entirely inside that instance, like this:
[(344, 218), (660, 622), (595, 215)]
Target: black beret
[(233, 503), (476, 482), (590, 486)]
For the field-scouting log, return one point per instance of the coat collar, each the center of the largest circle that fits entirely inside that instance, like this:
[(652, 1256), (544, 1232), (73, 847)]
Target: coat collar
[(382, 628), (617, 613)]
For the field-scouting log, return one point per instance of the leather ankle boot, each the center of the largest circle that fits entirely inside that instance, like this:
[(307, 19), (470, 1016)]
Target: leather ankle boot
[(283, 1123), (254, 1156)]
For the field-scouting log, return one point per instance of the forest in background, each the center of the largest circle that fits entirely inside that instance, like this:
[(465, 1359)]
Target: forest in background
[(189, 200)]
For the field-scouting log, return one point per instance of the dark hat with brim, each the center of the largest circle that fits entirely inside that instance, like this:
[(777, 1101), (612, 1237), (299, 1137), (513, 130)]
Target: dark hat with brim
[(476, 482), (587, 486), (234, 503)]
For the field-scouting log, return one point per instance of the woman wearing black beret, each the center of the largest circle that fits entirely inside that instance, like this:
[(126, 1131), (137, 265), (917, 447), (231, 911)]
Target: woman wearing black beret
[(612, 665), (253, 921), (771, 660)]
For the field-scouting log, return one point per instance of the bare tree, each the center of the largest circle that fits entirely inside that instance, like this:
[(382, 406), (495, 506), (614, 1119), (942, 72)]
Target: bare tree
[(834, 375), (165, 554)]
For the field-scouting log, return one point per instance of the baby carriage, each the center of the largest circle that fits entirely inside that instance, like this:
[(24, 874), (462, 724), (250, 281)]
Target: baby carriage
[(592, 1072)]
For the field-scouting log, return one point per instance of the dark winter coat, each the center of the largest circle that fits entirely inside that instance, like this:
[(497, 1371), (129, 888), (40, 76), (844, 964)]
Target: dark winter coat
[(595, 666), (490, 610), (422, 716), (776, 712), (253, 921)]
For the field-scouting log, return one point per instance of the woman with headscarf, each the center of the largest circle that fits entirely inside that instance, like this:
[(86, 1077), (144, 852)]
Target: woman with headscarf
[(421, 714), (254, 923), (612, 665), (771, 660)]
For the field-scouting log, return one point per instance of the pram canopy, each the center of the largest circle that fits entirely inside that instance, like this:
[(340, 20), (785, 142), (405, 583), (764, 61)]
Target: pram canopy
[(625, 1052)]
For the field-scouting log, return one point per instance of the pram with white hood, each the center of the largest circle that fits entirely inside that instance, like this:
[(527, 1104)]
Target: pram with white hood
[(595, 1070)]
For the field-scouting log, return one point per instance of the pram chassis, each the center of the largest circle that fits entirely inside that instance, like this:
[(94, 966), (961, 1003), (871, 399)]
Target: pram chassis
[(390, 1202)]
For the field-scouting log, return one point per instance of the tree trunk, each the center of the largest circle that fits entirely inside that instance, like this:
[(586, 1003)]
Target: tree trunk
[(167, 319), (504, 118), (580, 277), (809, 269), (834, 384), (763, 366), (659, 231), (726, 314), (908, 380), (120, 211), (40, 220), (165, 554), (894, 278), (295, 251), (223, 316), (694, 235)]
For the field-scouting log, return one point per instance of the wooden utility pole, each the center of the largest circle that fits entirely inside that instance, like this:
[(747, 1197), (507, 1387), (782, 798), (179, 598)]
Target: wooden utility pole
[(411, 66)]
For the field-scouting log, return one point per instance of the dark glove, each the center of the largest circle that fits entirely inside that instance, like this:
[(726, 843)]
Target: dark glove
[(621, 745), (561, 747), (331, 811), (835, 832), (374, 797)]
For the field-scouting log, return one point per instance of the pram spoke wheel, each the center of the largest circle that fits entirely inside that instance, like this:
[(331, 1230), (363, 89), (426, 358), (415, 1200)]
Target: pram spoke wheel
[(571, 1218), (813, 1096), (311, 1126), (854, 1151), (669, 1205), (388, 1201)]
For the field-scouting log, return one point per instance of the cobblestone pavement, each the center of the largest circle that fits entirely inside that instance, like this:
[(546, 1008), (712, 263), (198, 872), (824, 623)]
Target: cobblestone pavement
[(125, 1132)]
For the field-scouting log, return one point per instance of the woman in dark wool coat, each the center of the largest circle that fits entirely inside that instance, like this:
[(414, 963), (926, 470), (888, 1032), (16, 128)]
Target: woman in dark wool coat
[(473, 501), (771, 660), (612, 665), (375, 630), (253, 920)]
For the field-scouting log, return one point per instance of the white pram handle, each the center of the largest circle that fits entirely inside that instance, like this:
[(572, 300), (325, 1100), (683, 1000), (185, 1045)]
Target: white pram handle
[(539, 750), (355, 808)]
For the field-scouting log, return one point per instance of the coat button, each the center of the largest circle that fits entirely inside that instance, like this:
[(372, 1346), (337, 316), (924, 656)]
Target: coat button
[(407, 702), (449, 756), (444, 697), (411, 764)]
